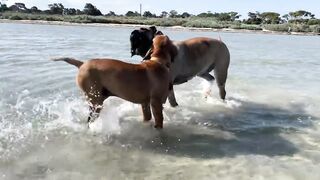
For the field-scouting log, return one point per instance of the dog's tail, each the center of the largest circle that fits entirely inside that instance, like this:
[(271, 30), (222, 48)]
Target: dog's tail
[(72, 61)]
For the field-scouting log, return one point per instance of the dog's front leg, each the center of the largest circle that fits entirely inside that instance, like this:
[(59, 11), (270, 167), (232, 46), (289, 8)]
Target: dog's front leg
[(146, 112), (172, 98), (157, 108)]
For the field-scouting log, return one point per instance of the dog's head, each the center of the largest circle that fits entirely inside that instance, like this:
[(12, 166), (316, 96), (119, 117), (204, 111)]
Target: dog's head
[(141, 40), (162, 49)]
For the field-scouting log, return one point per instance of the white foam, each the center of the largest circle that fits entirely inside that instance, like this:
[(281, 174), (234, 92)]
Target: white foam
[(207, 87), (107, 123), (69, 113), (20, 100)]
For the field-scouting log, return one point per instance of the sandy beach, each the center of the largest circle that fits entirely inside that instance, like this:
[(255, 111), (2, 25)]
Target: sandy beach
[(180, 28)]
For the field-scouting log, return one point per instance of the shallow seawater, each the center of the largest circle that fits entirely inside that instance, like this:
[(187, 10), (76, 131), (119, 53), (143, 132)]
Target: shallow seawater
[(269, 127)]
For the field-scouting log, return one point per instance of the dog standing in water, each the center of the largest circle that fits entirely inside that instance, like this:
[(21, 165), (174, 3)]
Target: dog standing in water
[(196, 57), (147, 83)]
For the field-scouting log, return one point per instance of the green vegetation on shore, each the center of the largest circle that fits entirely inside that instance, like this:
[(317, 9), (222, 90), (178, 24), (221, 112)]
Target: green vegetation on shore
[(298, 21)]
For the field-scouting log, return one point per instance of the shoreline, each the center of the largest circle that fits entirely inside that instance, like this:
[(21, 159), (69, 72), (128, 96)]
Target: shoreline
[(226, 30)]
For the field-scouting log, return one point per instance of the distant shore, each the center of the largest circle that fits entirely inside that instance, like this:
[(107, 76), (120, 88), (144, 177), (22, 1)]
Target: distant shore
[(228, 30)]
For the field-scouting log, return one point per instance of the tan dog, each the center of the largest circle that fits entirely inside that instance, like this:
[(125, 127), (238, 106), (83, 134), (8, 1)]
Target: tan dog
[(147, 83), (196, 57)]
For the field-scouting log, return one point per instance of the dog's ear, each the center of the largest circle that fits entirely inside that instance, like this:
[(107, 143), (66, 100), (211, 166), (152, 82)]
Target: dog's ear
[(153, 29), (173, 51), (158, 33), (143, 29), (134, 32)]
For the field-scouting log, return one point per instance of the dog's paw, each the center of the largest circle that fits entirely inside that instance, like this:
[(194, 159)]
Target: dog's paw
[(147, 123), (158, 127), (174, 104)]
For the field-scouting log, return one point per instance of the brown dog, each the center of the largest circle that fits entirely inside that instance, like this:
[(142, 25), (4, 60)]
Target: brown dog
[(147, 83)]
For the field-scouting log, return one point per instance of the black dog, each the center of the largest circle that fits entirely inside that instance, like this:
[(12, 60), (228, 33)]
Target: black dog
[(141, 40)]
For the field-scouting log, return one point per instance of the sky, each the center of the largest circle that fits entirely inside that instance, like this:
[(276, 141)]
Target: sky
[(190, 6)]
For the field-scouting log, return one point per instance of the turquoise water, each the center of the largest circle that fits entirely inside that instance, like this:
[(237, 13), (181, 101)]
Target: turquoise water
[(269, 128)]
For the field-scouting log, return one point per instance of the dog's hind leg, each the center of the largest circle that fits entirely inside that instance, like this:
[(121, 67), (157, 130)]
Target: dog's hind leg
[(172, 98), (221, 74), (207, 76), (96, 99), (221, 70), (95, 107), (93, 113), (146, 112)]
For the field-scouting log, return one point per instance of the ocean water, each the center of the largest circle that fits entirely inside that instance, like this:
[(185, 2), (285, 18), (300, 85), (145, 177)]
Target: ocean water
[(269, 127)]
